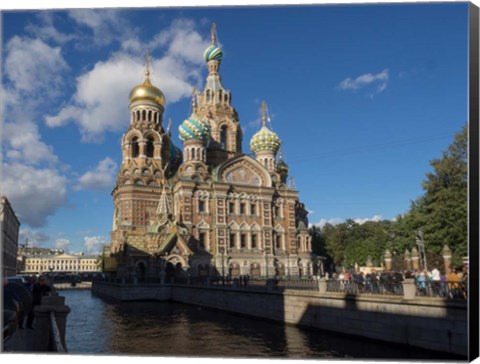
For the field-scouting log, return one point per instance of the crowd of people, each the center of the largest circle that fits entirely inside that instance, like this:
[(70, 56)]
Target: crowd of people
[(428, 283)]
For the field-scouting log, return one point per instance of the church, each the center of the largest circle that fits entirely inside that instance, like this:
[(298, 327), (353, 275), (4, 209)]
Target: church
[(207, 209)]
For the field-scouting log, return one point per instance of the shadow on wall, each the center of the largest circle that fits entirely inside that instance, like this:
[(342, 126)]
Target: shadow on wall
[(440, 329)]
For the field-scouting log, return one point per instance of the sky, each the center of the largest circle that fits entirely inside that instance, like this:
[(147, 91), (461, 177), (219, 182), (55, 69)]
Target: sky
[(362, 96)]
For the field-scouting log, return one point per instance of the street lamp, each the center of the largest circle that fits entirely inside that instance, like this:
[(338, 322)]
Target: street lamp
[(222, 250), (421, 247)]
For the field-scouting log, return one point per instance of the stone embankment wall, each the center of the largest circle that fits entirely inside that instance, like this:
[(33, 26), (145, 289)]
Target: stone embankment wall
[(429, 323)]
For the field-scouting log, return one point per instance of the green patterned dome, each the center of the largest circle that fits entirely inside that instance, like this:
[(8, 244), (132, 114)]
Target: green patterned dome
[(194, 128), (212, 53), (265, 140)]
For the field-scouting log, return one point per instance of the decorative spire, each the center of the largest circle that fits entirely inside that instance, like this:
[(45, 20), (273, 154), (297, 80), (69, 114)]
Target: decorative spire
[(213, 30), (163, 208), (147, 64), (264, 113), (194, 99)]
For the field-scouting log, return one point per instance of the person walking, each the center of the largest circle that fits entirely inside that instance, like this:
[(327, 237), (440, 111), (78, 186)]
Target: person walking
[(40, 289), (436, 282)]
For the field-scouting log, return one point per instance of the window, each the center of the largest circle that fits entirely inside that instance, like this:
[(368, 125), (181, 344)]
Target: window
[(252, 209), (254, 241), (242, 208), (149, 150), (231, 207), (278, 241), (243, 241), (201, 240), (232, 240), (223, 136), (201, 206), (135, 148)]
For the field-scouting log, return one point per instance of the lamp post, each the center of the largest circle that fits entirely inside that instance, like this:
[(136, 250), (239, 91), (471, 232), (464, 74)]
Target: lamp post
[(222, 250), (421, 247), (288, 265)]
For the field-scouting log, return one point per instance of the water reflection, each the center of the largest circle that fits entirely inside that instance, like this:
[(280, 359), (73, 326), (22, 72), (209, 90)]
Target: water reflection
[(171, 329)]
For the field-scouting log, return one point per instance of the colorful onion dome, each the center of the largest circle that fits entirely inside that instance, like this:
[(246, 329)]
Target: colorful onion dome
[(194, 128), (265, 140), (176, 156), (212, 53)]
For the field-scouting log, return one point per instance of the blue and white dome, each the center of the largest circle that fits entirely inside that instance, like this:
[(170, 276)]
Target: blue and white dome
[(194, 128)]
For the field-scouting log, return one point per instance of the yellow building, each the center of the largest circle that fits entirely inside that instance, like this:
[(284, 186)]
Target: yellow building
[(61, 263)]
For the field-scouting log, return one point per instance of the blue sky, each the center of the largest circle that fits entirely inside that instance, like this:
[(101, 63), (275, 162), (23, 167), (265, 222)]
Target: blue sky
[(362, 96)]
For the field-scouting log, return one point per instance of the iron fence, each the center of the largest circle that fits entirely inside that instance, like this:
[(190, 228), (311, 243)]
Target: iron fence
[(447, 290)]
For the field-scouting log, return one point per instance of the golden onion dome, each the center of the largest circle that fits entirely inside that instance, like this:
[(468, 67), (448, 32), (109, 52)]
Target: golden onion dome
[(146, 91)]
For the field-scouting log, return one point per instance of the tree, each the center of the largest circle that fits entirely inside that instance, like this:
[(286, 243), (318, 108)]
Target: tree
[(444, 205)]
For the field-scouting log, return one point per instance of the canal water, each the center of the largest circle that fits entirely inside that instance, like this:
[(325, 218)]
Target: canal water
[(95, 326)]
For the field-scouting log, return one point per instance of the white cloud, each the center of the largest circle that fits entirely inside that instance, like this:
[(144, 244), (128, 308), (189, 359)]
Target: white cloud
[(32, 66), (366, 79), (94, 244), (333, 221), (97, 109), (25, 143), (106, 25), (34, 77), (35, 194), (337, 220), (101, 178), (361, 221), (61, 244), (35, 237), (46, 30)]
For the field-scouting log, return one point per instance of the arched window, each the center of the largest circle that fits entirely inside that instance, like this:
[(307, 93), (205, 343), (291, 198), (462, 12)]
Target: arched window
[(208, 95), (138, 115), (135, 147), (144, 115), (149, 150), (193, 153), (149, 115), (223, 136)]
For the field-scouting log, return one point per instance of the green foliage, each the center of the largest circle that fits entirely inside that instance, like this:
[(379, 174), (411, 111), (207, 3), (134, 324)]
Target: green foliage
[(445, 201)]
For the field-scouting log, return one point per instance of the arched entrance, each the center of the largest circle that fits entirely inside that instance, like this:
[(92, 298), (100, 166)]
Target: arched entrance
[(254, 270), (234, 270)]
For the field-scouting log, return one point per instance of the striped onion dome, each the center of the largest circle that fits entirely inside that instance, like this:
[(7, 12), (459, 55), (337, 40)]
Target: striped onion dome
[(194, 128), (212, 53), (265, 140)]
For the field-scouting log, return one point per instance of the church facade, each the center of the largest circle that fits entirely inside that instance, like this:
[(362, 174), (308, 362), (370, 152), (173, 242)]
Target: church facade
[(207, 209)]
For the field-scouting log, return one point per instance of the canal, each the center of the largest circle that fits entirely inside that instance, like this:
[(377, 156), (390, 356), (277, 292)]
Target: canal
[(95, 326)]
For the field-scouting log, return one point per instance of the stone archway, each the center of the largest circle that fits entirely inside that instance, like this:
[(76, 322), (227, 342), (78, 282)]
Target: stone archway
[(141, 270)]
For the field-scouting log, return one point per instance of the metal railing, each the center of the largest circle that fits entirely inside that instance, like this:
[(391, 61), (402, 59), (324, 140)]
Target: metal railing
[(447, 290), (367, 287)]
